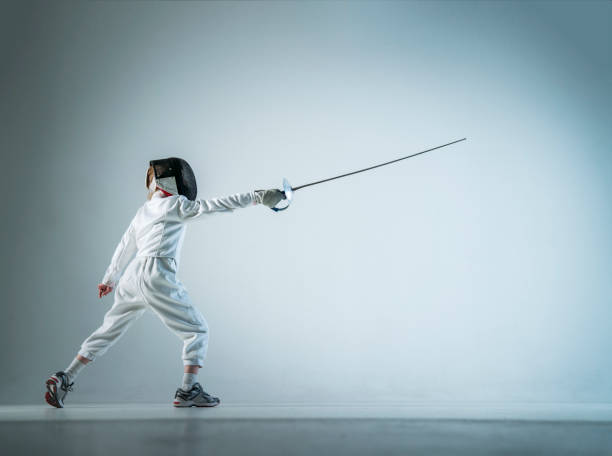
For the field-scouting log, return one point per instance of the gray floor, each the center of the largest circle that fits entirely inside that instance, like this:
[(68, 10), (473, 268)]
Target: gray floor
[(306, 437), (235, 430)]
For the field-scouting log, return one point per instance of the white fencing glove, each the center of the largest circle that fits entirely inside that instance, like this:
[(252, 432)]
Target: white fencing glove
[(270, 198)]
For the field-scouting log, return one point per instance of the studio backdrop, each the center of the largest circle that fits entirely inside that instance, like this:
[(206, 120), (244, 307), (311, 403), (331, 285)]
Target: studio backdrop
[(479, 272)]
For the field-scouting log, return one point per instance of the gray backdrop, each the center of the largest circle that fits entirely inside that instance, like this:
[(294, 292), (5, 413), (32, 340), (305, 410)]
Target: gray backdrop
[(477, 273)]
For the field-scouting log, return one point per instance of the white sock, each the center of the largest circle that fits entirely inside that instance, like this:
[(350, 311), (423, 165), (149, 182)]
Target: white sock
[(188, 381), (74, 369)]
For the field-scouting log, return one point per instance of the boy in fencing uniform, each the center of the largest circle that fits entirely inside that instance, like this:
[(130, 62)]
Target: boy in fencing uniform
[(155, 236)]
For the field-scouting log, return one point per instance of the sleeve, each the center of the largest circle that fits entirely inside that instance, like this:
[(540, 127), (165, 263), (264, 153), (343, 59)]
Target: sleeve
[(190, 209), (122, 256)]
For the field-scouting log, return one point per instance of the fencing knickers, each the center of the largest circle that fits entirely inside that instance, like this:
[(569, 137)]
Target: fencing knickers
[(150, 282)]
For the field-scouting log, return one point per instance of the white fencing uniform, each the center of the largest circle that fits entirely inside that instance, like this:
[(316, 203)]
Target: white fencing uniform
[(156, 236)]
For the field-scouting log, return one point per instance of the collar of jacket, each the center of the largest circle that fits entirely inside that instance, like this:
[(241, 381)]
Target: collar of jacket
[(159, 193), (164, 192)]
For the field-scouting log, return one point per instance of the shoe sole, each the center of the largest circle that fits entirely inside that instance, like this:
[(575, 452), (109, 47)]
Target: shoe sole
[(51, 394), (178, 404)]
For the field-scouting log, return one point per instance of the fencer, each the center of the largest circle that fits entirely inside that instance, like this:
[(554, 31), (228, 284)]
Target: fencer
[(142, 272)]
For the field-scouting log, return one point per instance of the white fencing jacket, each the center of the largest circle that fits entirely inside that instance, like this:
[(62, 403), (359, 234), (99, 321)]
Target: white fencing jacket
[(158, 228)]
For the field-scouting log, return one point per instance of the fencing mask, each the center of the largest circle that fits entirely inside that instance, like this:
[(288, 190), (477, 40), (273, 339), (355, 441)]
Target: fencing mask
[(175, 176)]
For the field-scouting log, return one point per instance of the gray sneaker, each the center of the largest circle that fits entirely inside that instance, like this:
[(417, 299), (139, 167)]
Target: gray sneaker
[(58, 387), (195, 397)]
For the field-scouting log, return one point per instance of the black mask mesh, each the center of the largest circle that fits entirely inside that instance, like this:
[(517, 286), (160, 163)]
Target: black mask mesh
[(181, 171)]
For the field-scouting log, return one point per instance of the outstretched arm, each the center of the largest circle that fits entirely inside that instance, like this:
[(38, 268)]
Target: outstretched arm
[(191, 209)]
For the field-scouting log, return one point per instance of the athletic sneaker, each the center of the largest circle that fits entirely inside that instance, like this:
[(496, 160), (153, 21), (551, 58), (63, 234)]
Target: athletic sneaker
[(58, 387), (195, 397)]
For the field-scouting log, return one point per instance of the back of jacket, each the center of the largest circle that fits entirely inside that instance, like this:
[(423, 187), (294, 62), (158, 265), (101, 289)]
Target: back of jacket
[(158, 228)]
